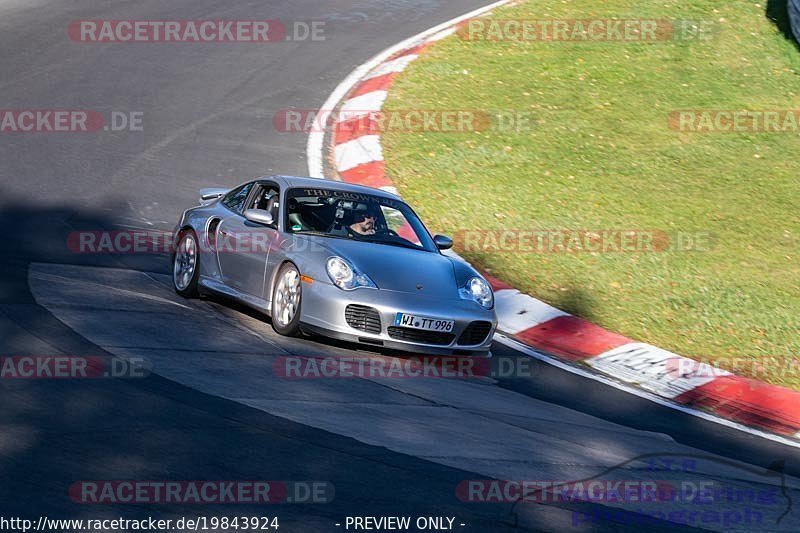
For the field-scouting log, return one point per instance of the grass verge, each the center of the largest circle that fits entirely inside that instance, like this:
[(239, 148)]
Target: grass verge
[(601, 155)]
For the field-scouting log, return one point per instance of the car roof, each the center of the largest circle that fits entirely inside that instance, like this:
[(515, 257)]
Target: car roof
[(296, 181)]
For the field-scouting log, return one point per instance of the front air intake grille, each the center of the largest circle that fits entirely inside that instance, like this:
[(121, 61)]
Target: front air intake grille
[(420, 336), (363, 317), (475, 333)]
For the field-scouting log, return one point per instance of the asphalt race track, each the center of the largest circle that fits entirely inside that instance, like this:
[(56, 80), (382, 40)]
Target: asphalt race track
[(212, 408)]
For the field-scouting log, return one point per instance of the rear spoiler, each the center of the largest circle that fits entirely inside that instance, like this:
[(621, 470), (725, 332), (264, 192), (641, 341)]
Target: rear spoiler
[(210, 194)]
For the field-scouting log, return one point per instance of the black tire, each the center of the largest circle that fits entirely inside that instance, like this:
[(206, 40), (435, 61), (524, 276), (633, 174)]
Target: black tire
[(179, 281), (288, 283)]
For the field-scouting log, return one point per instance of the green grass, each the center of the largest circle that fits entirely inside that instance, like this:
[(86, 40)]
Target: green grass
[(601, 156)]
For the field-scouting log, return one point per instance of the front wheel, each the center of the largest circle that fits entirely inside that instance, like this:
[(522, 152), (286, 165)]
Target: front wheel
[(286, 300), (186, 265)]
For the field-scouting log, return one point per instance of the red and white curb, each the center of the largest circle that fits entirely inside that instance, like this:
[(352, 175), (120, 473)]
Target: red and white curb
[(670, 379)]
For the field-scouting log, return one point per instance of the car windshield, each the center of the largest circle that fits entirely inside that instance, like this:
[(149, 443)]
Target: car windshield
[(355, 215)]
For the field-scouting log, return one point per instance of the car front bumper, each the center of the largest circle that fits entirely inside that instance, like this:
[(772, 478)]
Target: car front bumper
[(324, 305)]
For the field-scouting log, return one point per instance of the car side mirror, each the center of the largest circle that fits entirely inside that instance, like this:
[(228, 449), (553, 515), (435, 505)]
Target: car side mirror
[(442, 242), (259, 216)]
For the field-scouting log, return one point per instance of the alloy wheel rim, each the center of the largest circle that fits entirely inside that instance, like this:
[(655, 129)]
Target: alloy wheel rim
[(185, 262), (287, 297)]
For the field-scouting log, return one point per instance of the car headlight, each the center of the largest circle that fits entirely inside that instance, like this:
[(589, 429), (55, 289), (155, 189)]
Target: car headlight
[(346, 276), (478, 290)]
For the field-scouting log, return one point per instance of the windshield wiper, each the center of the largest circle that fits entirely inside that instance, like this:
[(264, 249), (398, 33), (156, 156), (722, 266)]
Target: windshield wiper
[(318, 234), (402, 244), (362, 238)]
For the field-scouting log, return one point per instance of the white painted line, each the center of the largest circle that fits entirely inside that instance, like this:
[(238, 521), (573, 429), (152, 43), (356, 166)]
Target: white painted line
[(655, 369), (361, 105), (315, 152), (441, 35), (527, 350), (391, 67), (517, 311), (365, 149)]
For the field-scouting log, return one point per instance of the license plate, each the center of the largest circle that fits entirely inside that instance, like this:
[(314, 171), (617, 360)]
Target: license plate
[(423, 322)]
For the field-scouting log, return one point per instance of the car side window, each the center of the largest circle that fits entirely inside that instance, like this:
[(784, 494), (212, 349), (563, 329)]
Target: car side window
[(235, 199), (397, 222), (267, 198), (264, 194)]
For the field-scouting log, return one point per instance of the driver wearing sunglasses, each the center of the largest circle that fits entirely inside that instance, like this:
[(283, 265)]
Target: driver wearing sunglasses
[(364, 222)]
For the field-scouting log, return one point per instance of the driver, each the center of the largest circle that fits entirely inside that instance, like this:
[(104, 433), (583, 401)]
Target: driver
[(364, 221)]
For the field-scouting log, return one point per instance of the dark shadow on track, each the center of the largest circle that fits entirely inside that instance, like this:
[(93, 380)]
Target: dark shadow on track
[(57, 432), (554, 385)]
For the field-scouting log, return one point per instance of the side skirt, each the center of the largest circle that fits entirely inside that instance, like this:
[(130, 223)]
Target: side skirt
[(218, 287)]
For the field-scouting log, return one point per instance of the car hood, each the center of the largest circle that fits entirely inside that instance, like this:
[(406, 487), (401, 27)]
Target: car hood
[(399, 269)]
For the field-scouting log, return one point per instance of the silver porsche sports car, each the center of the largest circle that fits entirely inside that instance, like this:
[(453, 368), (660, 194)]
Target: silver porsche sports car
[(336, 259)]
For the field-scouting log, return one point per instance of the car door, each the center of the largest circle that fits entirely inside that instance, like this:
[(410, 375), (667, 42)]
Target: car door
[(243, 246), (267, 198), (270, 201)]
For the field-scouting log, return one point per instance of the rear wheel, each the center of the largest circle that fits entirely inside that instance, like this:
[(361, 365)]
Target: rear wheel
[(186, 265), (286, 300)]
